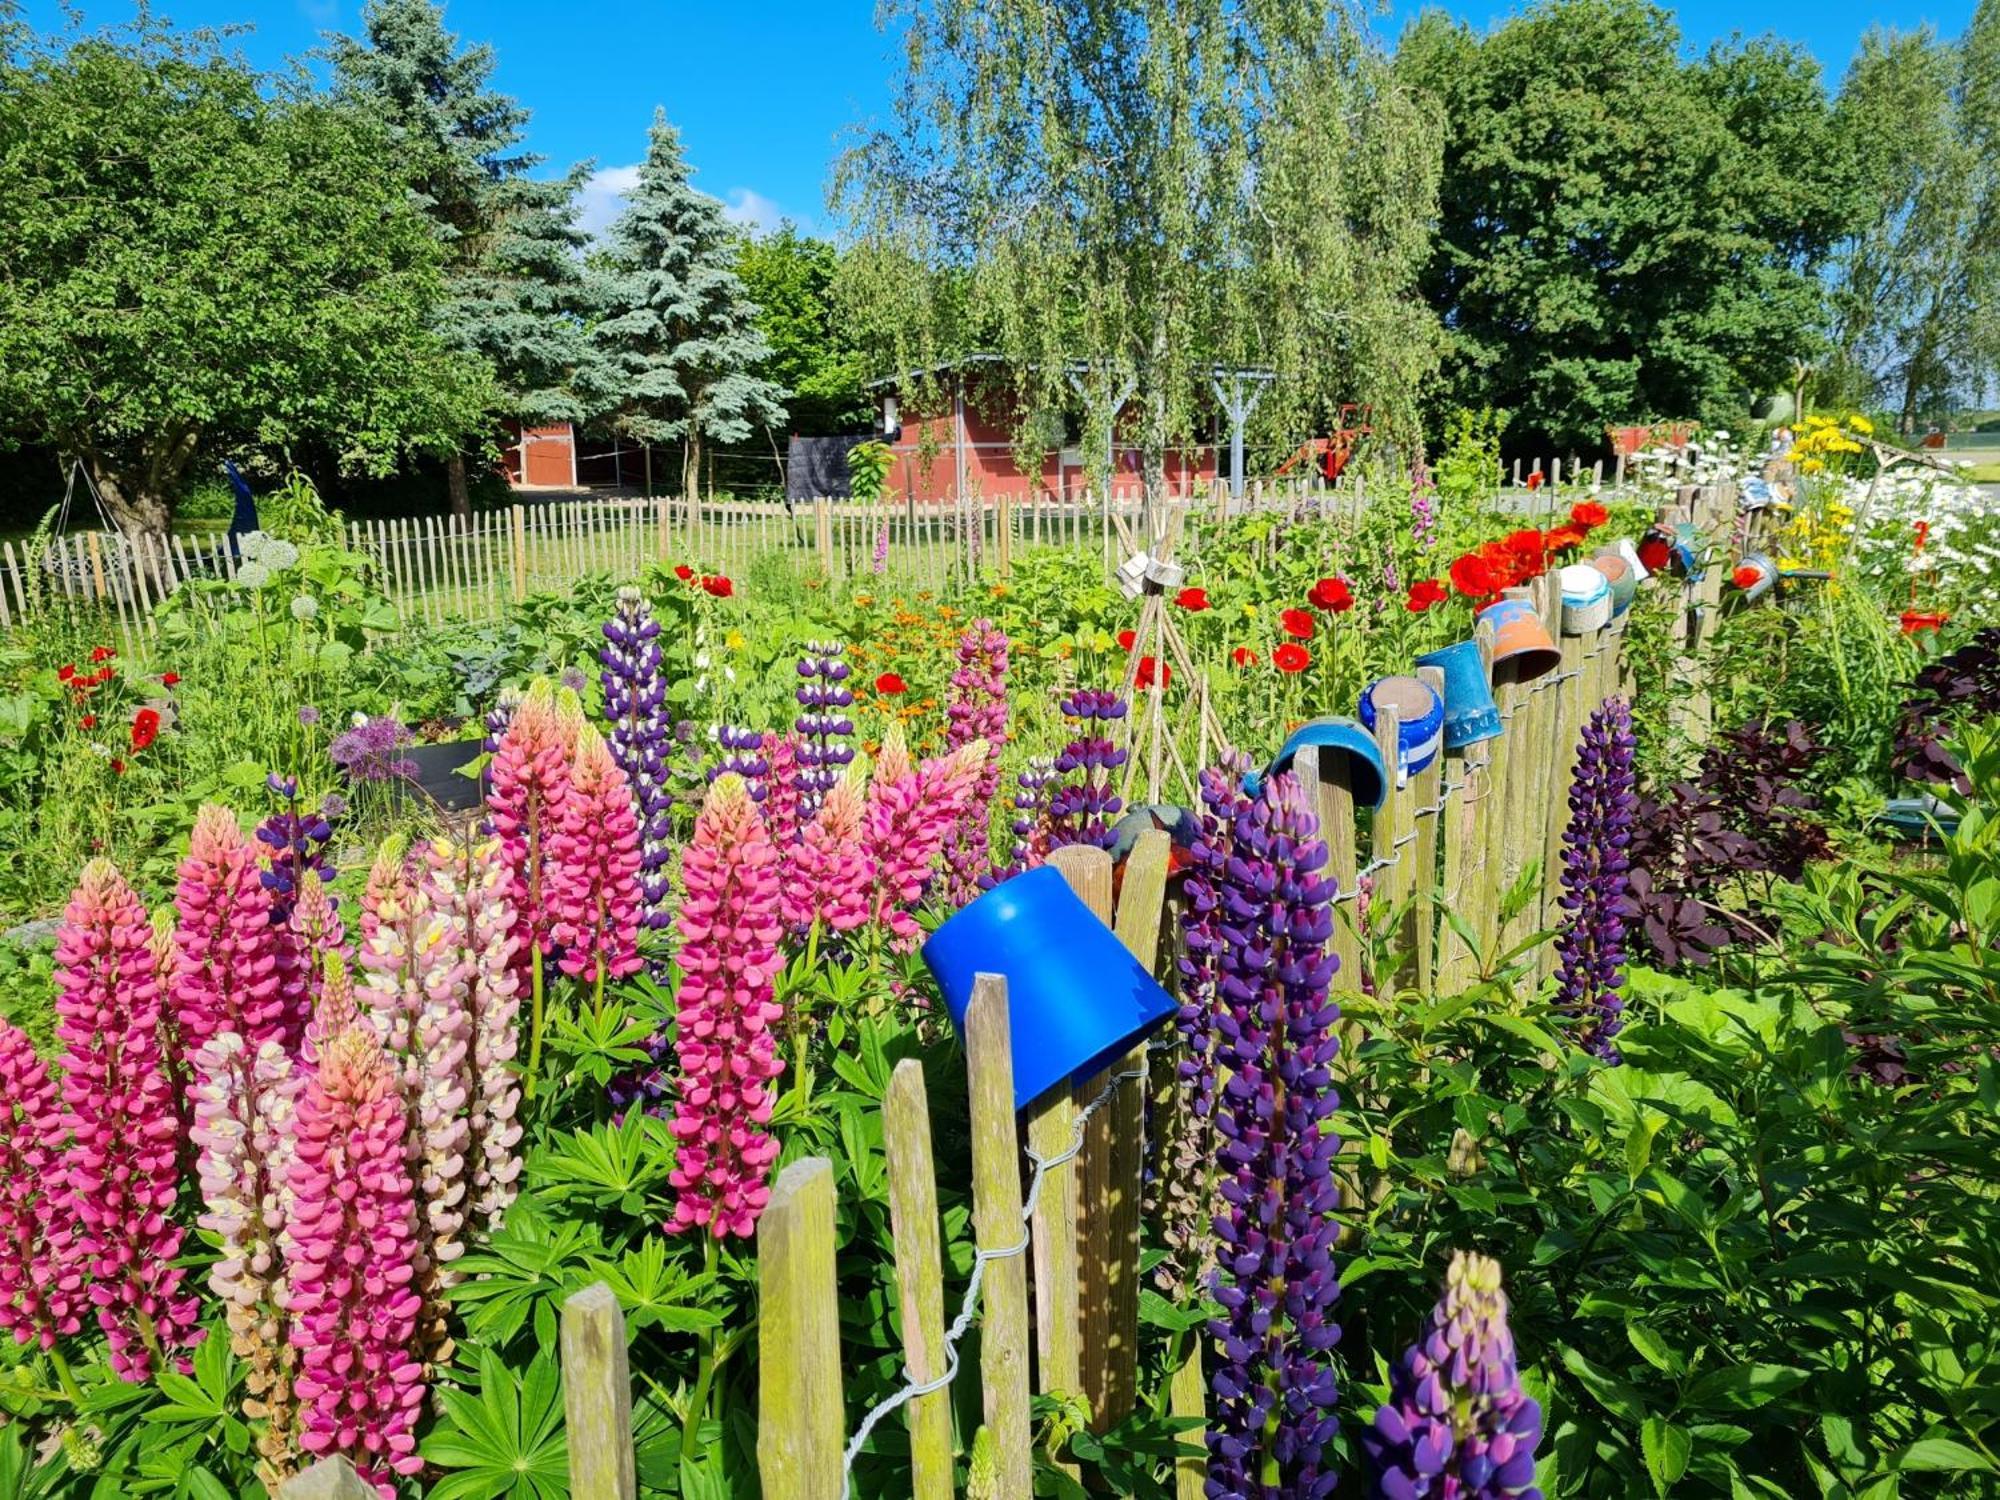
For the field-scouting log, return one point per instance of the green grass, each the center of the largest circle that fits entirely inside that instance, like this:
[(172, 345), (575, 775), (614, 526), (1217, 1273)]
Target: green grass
[(1983, 474)]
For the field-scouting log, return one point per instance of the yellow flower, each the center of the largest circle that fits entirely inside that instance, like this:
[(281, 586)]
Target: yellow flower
[(734, 640), (1786, 563), (1812, 466), (1860, 423)]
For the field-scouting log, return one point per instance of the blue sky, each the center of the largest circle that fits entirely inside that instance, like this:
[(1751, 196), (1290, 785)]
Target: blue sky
[(764, 91)]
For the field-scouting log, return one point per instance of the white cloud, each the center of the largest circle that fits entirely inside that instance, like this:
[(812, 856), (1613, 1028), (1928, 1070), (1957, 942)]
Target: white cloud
[(751, 209), (603, 197)]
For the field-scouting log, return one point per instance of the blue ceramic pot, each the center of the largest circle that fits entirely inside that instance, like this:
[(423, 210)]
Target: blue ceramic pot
[(1076, 997), (1421, 734), (1367, 777), (1470, 714)]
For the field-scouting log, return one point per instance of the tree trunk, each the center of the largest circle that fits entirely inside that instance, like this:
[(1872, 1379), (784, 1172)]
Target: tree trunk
[(691, 466), (459, 490), (133, 501)]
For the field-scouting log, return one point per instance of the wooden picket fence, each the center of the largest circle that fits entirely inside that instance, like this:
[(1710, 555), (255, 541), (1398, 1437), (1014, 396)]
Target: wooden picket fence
[(441, 568), (1057, 1245)]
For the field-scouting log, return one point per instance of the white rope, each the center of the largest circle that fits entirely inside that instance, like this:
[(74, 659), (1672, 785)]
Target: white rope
[(969, 1308)]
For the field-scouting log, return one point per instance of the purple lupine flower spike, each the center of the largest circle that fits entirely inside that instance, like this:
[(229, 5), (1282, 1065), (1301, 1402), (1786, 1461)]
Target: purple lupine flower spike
[(1596, 879), (500, 716), (1083, 808), (635, 703), (826, 733), (297, 840), (1457, 1425), (743, 754), (1256, 883)]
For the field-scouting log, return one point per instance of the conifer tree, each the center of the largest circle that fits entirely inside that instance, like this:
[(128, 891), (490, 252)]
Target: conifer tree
[(677, 328), (513, 249)]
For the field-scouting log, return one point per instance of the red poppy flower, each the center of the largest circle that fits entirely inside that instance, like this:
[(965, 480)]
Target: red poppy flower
[(1332, 595), (88, 721), (1474, 576), (1291, 657), (1505, 567), (66, 672), (1535, 481), (684, 573), (1653, 553), (1194, 599), (101, 653), (1243, 656), (1424, 593), (889, 685), (1529, 551), (1923, 535), (1588, 514), (102, 674), (145, 727), (1297, 622), (1126, 638), (1747, 577), (1147, 668), (117, 766), (719, 586), (169, 679), (1563, 538)]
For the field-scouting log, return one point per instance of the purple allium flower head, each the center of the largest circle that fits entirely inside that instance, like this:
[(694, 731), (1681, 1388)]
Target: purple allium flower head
[(1457, 1425), (1596, 879), (635, 702), (297, 838), (1083, 808), (308, 715), (573, 679), (1260, 921), (742, 753), (826, 733), (371, 750)]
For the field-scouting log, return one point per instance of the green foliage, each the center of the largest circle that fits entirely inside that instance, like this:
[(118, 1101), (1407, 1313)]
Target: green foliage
[(790, 277), (286, 284), (1621, 235), (868, 471)]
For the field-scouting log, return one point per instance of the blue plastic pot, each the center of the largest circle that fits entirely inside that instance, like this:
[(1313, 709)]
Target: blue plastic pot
[(1421, 734), (1367, 777), (1470, 714), (1076, 997)]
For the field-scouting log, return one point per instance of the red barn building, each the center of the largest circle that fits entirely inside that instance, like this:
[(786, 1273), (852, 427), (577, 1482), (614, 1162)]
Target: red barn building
[(966, 446), (539, 456)]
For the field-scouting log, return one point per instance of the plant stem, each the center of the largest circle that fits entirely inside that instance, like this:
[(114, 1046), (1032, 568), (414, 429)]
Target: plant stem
[(64, 1377), (535, 1025), (704, 1368)]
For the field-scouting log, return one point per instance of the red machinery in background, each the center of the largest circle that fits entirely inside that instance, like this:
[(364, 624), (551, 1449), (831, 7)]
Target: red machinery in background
[(1330, 455)]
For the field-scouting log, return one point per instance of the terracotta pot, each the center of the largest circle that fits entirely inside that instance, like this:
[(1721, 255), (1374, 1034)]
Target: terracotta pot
[(1522, 649)]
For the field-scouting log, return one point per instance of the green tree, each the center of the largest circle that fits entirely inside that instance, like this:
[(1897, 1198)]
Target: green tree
[(678, 330), (193, 260), (1917, 288), (518, 293), (1133, 192), (1622, 234), (790, 277)]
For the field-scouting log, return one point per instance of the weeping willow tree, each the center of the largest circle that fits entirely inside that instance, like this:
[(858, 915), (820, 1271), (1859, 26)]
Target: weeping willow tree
[(1121, 196)]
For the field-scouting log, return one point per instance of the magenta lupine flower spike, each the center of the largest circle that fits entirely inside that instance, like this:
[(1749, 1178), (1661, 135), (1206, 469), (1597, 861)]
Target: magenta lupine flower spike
[(467, 885), (41, 1282), (1457, 1425), (911, 812), (976, 710), (531, 775), (121, 1169), (729, 928), (1273, 1413), (829, 876), (782, 806), (1595, 879), (227, 951), (595, 867), (243, 1130), (351, 1239)]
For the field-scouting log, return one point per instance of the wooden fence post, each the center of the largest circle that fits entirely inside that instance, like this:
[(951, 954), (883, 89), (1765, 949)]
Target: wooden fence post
[(800, 1427), (329, 1479), (823, 532), (597, 1397), (1420, 927), (997, 1226), (518, 529), (913, 1220)]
